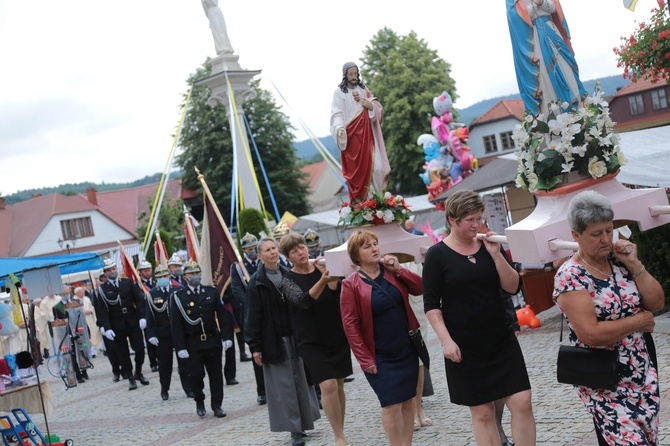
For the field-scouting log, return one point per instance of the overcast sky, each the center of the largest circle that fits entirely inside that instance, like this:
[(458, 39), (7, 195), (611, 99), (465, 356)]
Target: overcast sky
[(90, 90)]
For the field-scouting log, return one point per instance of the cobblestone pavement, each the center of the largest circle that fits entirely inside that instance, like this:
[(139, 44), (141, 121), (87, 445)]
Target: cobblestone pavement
[(100, 412)]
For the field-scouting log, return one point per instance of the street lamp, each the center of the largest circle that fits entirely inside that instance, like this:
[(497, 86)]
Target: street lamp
[(67, 245)]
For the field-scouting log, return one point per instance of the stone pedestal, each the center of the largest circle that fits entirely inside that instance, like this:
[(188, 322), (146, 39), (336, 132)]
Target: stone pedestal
[(529, 239), (393, 239)]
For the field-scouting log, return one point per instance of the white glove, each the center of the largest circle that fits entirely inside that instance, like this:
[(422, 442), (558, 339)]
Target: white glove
[(183, 354), (143, 324), (102, 330), (153, 341), (227, 345), (109, 334)]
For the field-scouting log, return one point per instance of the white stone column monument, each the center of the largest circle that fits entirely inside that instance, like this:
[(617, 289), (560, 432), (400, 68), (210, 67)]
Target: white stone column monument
[(226, 64)]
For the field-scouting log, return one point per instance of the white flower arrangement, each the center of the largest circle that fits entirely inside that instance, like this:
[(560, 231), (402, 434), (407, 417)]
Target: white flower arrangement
[(570, 139)]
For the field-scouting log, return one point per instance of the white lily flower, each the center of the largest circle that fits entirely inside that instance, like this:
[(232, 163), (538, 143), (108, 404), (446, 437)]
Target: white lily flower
[(567, 167)]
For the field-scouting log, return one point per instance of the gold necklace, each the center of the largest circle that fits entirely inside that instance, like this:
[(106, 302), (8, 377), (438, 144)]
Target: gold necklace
[(588, 264)]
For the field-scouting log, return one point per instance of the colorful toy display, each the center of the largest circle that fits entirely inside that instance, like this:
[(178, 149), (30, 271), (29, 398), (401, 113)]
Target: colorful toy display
[(447, 159)]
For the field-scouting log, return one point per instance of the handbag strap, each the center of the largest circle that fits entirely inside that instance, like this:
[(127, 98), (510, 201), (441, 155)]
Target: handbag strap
[(395, 305), (617, 291)]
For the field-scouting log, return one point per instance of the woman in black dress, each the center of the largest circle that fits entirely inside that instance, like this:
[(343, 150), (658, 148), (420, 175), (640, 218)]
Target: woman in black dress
[(376, 315), (322, 343), (462, 282)]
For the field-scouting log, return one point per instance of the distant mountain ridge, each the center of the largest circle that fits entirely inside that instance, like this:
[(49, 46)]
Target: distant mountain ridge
[(609, 85), (80, 188)]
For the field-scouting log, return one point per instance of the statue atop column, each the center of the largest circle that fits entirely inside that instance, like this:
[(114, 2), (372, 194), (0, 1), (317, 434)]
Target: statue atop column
[(218, 26)]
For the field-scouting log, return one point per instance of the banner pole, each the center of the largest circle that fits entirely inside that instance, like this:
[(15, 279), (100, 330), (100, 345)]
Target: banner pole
[(205, 188)]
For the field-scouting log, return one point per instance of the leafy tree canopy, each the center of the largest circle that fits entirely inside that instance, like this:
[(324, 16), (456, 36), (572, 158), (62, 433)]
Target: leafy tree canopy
[(405, 74), (207, 145), (653, 248), (170, 222)]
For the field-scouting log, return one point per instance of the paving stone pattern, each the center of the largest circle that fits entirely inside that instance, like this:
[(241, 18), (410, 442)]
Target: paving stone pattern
[(101, 412)]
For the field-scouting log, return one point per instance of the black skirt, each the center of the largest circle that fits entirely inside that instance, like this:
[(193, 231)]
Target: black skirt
[(486, 375)]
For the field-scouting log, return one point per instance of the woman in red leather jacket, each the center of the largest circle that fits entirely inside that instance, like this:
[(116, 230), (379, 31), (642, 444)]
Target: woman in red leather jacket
[(376, 316)]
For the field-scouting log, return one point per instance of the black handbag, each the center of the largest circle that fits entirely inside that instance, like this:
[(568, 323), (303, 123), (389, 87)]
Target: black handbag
[(595, 368), (420, 345), (414, 335)]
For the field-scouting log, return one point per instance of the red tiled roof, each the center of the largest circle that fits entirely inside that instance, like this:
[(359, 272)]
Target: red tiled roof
[(124, 206), (314, 172), (507, 108), (29, 217), (5, 230), (636, 87)]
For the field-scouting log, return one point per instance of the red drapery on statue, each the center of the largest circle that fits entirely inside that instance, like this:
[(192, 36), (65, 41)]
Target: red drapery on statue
[(357, 158)]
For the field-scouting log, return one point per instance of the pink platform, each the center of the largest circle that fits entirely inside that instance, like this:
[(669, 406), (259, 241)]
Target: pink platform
[(529, 239), (393, 239)]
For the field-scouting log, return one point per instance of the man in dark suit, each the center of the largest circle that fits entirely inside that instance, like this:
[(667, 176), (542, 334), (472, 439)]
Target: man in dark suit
[(160, 336), (121, 319), (194, 313), (239, 284), (148, 282)]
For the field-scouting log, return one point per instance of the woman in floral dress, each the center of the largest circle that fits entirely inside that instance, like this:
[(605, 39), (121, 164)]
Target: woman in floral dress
[(608, 297)]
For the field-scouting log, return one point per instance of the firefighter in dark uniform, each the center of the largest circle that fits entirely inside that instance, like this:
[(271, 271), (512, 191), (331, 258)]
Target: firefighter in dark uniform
[(120, 312), (160, 336), (174, 266), (144, 270), (277, 233), (313, 243), (239, 285), (201, 329)]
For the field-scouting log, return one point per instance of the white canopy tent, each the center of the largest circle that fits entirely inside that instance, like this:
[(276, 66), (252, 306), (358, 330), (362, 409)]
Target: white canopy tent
[(325, 223), (648, 155)]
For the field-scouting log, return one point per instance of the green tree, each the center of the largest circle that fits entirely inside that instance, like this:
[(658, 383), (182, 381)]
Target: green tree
[(653, 247), (251, 221), (207, 144), (167, 241), (405, 75), (170, 223)]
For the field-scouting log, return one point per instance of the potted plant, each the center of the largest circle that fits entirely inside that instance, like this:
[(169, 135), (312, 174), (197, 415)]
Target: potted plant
[(646, 53)]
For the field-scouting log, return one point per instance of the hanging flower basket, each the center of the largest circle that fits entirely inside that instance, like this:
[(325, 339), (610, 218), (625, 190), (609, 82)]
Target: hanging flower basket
[(646, 53), (570, 139)]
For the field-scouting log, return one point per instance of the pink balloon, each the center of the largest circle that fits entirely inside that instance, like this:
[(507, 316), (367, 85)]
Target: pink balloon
[(466, 162), (440, 130)]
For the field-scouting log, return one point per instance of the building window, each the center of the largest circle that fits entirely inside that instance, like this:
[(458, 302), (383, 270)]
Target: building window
[(490, 144), (658, 99), (76, 228), (506, 140), (636, 104)]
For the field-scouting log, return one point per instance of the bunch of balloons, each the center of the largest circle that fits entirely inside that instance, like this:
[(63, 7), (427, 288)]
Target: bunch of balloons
[(448, 159)]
